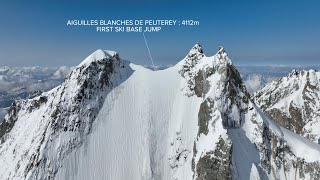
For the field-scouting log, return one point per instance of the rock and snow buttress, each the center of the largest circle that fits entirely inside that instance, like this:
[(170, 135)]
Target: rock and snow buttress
[(294, 102), (111, 119)]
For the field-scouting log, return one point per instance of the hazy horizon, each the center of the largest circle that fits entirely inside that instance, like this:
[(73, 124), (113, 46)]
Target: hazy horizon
[(272, 32)]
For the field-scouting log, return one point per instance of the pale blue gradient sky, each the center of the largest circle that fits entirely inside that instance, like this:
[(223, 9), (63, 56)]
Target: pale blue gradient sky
[(253, 32)]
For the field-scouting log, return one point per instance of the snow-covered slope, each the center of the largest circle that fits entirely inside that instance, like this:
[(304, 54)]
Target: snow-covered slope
[(38, 133), (294, 102), (112, 119)]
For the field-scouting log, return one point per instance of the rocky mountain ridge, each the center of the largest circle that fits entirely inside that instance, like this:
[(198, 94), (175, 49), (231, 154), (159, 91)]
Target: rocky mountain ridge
[(111, 119), (294, 102)]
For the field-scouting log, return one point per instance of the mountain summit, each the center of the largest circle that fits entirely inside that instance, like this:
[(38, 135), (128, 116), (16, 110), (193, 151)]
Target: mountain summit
[(196, 52), (98, 55), (294, 102), (111, 119)]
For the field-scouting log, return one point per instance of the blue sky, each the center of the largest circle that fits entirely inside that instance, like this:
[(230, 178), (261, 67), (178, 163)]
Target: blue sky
[(253, 32)]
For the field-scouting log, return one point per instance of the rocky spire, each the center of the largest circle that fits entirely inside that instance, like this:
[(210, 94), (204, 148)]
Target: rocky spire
[(221, 54), (196, 52)]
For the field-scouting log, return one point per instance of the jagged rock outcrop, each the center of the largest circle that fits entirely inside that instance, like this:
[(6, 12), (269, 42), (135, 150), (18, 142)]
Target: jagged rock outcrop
[(293, 101), (111, 119), (227, 104)]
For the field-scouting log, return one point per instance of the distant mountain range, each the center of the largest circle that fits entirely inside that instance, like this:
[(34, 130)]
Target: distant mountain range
[(27, 82)]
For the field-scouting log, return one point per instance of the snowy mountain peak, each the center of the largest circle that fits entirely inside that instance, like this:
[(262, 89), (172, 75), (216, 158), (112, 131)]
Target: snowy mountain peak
[(221, 54), (114, 120), (221, 50), (62, 117), (300, 73), (293, 101), (98, 55), (196, 52)]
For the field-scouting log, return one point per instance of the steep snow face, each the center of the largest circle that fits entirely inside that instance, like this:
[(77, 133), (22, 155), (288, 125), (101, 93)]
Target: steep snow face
[(143, 123), (112, 119), (294, 102), (39, 133)]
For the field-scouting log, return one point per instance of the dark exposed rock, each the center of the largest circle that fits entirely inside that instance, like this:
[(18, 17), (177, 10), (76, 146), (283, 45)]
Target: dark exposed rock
[(265, 151), (201, 84), (195, 54), (204, 116), (235, 94), (280, 151), (293, 123), (36, 103), (293, 115), (313, 169), (8, 123), (196, 81), (217, 164), (285, 160), (296, 124)]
